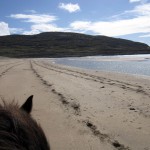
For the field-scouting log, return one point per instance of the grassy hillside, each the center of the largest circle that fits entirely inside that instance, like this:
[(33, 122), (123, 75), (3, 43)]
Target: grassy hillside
[(60, 44)]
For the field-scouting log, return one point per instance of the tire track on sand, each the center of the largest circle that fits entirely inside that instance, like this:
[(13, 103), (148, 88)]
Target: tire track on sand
[(103, 80), (89, 124), (73, 105), (6, 70), (8, 64)]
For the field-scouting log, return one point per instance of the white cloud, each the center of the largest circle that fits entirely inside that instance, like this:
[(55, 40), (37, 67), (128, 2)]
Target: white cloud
[(80, 25), (40, 23), (4, 29), (115, 28), (147, 35), (137, 24), (38, 28), (34, 18), (143, 9), (69, 7), (32, 32), (132, 1), (15, 30), (141, 1), (139, 10)]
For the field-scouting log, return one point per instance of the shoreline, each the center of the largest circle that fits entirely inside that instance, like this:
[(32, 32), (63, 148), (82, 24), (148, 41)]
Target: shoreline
[(94, 70), (119, 65)]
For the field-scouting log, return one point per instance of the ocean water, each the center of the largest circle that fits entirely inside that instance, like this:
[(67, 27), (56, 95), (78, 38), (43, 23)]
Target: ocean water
[(131, 64)]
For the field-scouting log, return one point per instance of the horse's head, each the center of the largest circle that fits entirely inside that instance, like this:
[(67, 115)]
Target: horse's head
[(18, 130)]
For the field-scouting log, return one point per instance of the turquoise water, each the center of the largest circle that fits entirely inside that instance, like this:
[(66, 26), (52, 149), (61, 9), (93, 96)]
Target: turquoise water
[(132, 64)]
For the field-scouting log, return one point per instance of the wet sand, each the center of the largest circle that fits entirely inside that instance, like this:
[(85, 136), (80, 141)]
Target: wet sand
[(81, 109)]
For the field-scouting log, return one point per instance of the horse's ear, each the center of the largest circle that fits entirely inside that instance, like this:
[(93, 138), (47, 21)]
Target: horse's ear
[(27, 106)]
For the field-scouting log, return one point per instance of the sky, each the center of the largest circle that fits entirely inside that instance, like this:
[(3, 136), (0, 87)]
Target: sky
[(127, 19)]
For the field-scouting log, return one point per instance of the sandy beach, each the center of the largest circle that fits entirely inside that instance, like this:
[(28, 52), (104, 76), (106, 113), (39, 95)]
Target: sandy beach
[(81, 109)]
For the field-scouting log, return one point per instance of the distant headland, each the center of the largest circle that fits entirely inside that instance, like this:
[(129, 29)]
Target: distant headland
[(67, 44)]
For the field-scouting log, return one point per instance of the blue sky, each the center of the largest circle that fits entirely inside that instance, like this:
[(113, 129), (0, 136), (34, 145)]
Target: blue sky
[(129, 19)]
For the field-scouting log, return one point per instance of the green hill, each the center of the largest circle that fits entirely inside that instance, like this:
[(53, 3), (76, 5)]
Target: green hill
[(60, 44)]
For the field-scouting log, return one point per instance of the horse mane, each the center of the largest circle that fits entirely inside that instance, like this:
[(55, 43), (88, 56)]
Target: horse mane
[(18, 130)]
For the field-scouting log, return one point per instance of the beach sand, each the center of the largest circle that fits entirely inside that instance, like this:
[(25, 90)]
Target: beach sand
[(81, 109)]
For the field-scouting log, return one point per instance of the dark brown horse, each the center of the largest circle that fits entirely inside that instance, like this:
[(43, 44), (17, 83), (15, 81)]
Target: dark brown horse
[(18, 130)]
